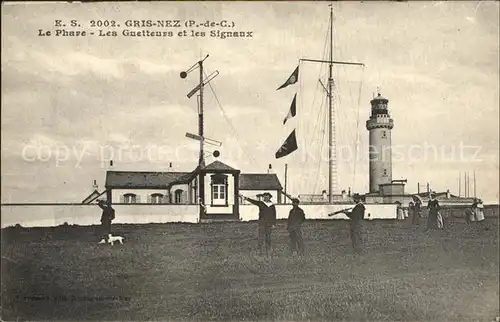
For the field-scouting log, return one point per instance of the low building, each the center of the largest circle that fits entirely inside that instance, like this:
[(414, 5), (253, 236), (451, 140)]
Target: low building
[(216, 187)]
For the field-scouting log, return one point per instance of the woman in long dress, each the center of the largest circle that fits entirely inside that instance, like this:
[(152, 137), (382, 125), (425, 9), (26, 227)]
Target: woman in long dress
[(479, 211), (415, 210), (470, 213), (434, 207), (399, 211)]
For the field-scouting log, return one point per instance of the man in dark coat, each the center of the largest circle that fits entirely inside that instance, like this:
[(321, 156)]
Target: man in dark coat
[(267, 220), (295, 219), (356, 216), (108, 214)]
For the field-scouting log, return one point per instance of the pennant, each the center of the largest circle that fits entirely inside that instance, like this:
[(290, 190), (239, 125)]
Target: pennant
[(292, 79), (288, 147), (292, 111)]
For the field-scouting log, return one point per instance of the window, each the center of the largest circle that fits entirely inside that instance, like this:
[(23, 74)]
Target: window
[(385, 173), (384, 134), (156, 198), (219, 190), (129, 198), (178, 195)]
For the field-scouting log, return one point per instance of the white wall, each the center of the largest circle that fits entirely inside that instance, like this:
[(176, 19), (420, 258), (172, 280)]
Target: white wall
[(380, 211), (143, 193), (54, 215)]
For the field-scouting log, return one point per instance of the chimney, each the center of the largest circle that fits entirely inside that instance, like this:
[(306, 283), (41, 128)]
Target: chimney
[(349, 193), (94, 185), (448, 195), (325, 195), (270, 169), (344, 195), (169, 167)]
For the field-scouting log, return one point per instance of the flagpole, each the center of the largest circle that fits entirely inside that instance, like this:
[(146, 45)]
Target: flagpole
[(332, 167), (475, 184), (459, 184), (466, 184), (331, 115), (201, 160), (286, 178)]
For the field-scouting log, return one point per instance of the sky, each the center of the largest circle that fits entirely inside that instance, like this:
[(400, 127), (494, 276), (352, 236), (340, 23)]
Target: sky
[(70, 104)]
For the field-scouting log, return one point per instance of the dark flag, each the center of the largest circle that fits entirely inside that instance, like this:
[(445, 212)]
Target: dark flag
[(293, 110), (292, 79), (288, 147)]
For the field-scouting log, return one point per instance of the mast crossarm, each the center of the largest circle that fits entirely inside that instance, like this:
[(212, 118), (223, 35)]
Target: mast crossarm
[(332, 62)]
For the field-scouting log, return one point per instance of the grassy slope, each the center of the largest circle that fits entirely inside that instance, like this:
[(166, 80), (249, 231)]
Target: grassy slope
[(211, 272)]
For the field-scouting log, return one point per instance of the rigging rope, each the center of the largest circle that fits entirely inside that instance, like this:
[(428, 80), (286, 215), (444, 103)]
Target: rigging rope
[(357, 137), (228, 120), (357, 128), (349, 130), (318, 119), (320, 159), (308, 134)]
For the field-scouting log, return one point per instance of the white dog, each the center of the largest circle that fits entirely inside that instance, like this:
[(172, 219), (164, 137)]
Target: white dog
[(112, 239)]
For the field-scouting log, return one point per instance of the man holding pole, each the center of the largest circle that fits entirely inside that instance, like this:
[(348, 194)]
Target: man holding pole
[(267, 220), (356, 216)]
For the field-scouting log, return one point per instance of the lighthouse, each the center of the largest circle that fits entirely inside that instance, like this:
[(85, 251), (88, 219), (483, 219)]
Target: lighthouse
[(379, 126)]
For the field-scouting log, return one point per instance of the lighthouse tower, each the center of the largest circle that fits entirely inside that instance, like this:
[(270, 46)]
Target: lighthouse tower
[(379, 126)]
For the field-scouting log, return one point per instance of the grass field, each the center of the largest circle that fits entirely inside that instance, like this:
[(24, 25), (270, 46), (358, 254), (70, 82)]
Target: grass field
[(211, 272)]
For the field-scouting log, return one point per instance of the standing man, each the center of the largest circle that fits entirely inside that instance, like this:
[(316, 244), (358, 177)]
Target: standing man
[(108, 214), (267, 219), (295, 220), (356, 216)]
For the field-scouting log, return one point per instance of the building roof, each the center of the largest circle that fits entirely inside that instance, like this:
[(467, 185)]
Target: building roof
[(443, 196), (259, 181), (380, 98), (438, 194), (137, 179), (217, 165)]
